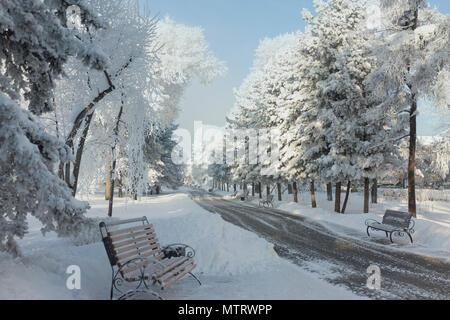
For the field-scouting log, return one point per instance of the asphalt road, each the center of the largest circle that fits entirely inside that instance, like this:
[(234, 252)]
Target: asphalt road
[(339, 260)]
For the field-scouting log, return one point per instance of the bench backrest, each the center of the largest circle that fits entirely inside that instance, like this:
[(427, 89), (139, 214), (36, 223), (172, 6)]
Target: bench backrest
[(397, 218), (129, 239)]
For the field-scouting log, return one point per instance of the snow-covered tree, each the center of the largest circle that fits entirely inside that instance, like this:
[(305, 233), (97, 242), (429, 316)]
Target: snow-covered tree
[(36, 43), (163, 172), (413, 60), (161, 59), (332, 131), (129, 42), (27, 182), (256, 109)]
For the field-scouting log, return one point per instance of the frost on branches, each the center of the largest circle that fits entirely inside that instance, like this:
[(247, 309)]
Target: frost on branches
[(27, 183), (36, 45)]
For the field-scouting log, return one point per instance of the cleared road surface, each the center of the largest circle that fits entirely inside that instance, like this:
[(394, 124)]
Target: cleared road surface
[(337, 259)]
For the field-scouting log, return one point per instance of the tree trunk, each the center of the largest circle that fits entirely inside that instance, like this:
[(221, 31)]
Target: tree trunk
[(289, 188), (228, 187), (112, 175), (412, 160), (375, 191), (260, 190), (120, 194), (67, 172), (108, 176), (313, 195), (412, 137), (347, 193), (337, 198), (158, 189), (294, 190), (85, 116), (329, 192), (234, 187), (253, 189), (112, 179), (279, 191), (79, 154), (268, 189), (61, 170), (366, 195)]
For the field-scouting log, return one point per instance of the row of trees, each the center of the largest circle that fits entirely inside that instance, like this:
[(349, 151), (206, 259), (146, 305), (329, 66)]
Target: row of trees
[(344, 96), (90, 90)]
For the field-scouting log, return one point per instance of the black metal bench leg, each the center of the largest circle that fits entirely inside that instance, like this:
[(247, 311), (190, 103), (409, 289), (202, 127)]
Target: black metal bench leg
[(368, 231), (390, 237), (112, 286), (409, 235), (387, 235), (192, 275)]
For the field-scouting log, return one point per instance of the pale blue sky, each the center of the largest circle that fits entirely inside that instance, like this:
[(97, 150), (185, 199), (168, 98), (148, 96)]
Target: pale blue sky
[(233, 29)]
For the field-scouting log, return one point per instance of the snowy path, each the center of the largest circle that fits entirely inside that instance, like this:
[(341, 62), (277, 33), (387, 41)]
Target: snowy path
[(339, 260)]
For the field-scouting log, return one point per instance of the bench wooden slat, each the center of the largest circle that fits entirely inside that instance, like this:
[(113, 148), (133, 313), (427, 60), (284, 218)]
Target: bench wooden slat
[(154, 253), (151, 253), (166, 264), (131, 235), (120, 245), (142, 264), (121, 231), (174, 270), (173, 264), (137, 251), (181, 275), (134, 243)]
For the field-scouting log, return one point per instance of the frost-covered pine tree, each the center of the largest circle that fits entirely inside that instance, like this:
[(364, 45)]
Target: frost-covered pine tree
[(158, 149), (28, 184), (36, 44), (256, 109), (413, 60), (331, 126)]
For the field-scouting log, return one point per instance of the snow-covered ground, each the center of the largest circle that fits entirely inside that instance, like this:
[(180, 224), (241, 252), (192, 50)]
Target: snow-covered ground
[(432, 229), (231, 263)]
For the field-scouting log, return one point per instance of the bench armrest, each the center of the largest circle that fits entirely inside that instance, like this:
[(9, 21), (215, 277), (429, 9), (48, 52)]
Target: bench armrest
[(411, 226), (368, 222), (178, 250)]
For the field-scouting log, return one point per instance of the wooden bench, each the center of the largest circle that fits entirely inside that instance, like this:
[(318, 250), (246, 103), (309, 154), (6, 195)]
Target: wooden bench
[(136, 256), (268, 202), (393, 223)]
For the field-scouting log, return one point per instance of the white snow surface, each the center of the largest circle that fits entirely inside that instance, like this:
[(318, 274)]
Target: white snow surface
[(232, 263)]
